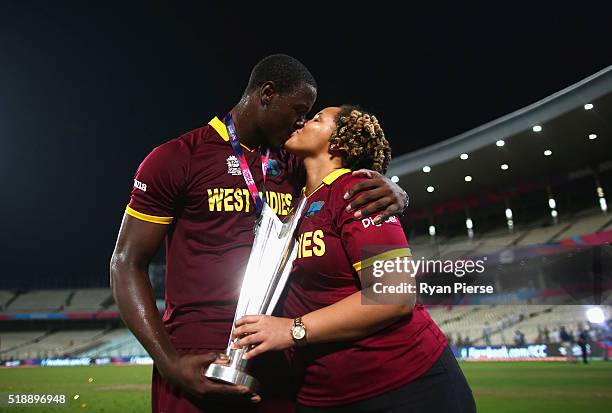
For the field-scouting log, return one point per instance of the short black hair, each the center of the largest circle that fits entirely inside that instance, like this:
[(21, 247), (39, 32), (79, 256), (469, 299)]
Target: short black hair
[(285, 71)]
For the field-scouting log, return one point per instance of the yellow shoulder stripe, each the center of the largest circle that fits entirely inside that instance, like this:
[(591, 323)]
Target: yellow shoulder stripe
[(385, 256), (330, 178), (219, 126), (148, 218)]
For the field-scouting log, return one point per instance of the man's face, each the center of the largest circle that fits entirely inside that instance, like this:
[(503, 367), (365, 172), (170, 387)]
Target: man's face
[(282, 114)]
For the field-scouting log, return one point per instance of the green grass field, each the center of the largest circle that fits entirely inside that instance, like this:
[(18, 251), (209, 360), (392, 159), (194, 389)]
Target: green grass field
[(498, 387)]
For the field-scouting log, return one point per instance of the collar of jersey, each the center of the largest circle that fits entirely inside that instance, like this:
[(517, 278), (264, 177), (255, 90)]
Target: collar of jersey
[(222, 131), (328, 180)]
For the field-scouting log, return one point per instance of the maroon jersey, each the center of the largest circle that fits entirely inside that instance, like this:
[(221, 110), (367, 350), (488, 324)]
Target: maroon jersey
[(325, 272), (194, 185)]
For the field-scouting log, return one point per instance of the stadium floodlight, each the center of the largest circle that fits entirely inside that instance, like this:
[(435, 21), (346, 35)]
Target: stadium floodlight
[(588, 106), (430, 189), (552, 203), (592, 136), (469, 224), (547, 152), (464, 156), (603, 204), (595, 315), (537, 128), (468, 178), (508, 213), (426, 169), (432, 230), (395, 179), (504, 166), (500, 143)]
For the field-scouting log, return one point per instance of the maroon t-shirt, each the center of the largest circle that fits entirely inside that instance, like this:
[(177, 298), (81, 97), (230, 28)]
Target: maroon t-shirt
[(325, 271), (194, 185)]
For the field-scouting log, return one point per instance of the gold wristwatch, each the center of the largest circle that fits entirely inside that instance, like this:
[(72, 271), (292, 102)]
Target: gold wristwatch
[(298, 332)]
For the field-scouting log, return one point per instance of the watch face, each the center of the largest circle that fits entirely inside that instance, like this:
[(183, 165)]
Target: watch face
[(298, 332)]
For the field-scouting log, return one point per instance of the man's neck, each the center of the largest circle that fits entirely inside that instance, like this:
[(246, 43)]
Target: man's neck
[(318, 168), (245, 129)]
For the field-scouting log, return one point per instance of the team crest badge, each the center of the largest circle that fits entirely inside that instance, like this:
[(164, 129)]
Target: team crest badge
[(314, 208), (273, 169), (233, 166)]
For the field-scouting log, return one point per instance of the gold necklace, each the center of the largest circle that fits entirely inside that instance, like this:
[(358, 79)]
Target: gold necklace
[(310, 194)]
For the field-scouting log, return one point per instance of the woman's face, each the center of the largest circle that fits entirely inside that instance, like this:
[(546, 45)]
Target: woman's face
[(313, 138)]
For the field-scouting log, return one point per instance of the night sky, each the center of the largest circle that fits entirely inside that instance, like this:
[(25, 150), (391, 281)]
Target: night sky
[(87, 91)]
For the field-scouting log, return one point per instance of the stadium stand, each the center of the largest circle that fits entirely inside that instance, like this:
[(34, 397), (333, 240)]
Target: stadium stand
[(48, 301), (113, 306), (590, 222), (469, 322), (498, 240), (593, 222), (39, 301), (542, 235), (464, 323), (13, 341), (119, 343), (91, 299), (41, 344), (5, 298)]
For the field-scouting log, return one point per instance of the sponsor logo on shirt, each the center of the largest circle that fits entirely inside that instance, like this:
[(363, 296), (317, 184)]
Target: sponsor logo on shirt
[(314, 208), (367, 222), (140, 185), (233, 165), (239, 200)]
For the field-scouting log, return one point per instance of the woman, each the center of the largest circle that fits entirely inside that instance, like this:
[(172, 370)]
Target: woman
[(347, 355)]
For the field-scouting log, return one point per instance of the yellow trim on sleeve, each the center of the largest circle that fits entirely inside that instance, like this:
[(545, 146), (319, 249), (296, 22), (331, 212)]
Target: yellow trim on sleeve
[(148, 218), (387, 255), (219, 126), (335, 175)]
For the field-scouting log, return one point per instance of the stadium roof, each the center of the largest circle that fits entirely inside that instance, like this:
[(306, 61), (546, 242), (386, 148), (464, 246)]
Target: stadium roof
[(577, 136)]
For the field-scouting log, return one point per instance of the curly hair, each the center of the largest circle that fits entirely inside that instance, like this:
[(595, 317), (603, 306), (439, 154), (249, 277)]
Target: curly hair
[(361, 139)]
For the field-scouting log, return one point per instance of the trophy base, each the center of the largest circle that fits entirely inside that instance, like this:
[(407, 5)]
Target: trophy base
[(231, 375)]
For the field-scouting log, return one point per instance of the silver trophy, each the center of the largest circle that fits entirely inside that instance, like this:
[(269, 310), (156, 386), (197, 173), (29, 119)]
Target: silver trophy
[(270, 262)]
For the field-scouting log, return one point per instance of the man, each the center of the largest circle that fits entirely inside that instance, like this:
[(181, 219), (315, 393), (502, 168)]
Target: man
[(486, 333), (567, 340), (191, 192), (583, 340)]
